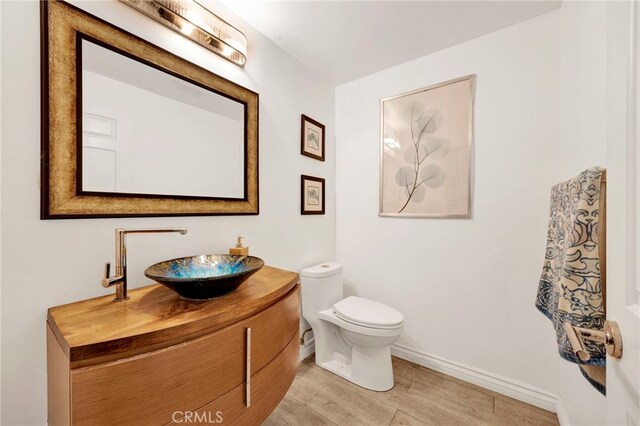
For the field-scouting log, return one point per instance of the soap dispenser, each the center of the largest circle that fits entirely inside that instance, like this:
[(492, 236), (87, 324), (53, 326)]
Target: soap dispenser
[(239, 249)]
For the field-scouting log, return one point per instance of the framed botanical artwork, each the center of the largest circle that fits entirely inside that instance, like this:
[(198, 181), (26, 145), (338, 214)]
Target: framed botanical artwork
[(426, 142), (312, 138), (312, 196)]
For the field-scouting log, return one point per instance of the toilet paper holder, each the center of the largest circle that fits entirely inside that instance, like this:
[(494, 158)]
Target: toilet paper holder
[(610, 336)]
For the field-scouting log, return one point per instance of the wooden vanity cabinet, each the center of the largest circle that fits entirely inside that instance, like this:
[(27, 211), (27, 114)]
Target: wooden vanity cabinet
[(234, 374)]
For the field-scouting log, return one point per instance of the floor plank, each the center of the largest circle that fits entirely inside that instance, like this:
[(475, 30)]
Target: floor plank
[(295, 413), (420, 397), (274, 420), (344, 402), (467, 405), (510, 411), (346, 407), (403, 419), (302, 391)]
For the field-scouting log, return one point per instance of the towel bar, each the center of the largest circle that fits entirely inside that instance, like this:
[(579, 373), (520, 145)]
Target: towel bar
[(610, 336)]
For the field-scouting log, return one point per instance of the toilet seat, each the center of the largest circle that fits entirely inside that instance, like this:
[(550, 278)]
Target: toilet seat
[(329, 315), (368, 313)]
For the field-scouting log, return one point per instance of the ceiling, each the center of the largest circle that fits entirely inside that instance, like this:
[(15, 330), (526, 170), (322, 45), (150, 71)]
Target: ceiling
[(344, 40)]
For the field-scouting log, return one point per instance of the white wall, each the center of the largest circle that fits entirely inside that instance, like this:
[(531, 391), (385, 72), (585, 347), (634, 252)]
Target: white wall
[(47, 263), (467, 287), (584, 86)]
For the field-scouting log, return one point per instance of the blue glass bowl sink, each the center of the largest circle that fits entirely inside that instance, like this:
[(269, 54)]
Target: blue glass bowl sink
[(205, 276)]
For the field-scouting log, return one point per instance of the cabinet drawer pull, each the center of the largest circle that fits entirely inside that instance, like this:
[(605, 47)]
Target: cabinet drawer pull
[(248, 381)]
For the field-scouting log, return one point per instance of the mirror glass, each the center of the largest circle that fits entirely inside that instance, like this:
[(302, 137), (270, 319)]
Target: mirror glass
[(145, 131)]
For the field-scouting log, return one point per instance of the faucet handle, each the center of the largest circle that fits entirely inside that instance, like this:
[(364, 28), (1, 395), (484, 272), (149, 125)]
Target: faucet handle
[(108, 281)]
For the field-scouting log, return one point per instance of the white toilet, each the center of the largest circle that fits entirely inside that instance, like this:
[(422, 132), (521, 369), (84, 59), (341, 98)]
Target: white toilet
[(353, 335)]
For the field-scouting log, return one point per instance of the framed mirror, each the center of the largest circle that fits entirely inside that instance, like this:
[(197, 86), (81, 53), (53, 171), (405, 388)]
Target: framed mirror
[(129, 129)]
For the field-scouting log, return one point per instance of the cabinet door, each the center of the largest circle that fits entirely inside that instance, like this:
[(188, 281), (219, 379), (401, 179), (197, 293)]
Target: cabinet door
[(268, 387), (272, 333), (150, 388)]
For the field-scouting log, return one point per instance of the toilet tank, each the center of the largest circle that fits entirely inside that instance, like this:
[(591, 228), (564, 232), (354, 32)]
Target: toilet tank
[(321, 287)]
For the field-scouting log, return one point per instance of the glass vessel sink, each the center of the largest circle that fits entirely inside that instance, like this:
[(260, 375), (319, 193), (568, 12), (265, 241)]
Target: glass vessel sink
[(205, 276)]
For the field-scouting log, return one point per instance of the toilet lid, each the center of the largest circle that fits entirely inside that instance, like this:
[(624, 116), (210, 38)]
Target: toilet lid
[(367, 312)]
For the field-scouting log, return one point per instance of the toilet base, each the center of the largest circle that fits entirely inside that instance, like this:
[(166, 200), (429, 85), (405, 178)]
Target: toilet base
[(370, 368)]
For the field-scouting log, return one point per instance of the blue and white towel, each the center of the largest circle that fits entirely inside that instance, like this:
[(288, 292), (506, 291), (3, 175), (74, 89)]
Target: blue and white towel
[(570, 287)]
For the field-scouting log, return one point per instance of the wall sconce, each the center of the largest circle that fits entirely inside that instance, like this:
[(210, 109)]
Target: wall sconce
[(199, 24)]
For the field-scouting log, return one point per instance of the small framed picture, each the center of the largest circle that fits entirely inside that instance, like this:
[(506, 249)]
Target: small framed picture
[(312, 138), (312, 196)]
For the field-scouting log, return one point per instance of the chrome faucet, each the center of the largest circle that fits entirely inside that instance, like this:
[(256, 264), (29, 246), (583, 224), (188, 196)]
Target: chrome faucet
[(120, 278)]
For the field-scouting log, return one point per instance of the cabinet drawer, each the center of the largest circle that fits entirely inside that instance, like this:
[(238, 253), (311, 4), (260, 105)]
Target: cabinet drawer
[(268, 387), (149, 388), (272, 333)]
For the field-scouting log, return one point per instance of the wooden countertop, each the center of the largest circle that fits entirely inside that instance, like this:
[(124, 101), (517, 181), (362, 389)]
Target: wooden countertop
[(99, 330)]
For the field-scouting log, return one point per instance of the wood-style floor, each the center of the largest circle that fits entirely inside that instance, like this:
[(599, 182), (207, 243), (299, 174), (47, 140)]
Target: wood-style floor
[(420, 397)]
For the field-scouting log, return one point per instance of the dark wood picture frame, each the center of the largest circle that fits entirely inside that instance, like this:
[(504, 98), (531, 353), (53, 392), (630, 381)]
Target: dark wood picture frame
[(62, 197), (317, 199), (312, 129)]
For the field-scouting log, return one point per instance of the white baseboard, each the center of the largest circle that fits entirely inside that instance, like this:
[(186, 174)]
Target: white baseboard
[(307, 349), (503, 385)]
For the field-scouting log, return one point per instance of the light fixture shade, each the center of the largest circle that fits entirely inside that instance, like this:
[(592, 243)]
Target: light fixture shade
[(199, 24)]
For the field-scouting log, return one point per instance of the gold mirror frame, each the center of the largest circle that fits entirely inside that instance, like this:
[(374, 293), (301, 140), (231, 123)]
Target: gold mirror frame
[(62, 28)]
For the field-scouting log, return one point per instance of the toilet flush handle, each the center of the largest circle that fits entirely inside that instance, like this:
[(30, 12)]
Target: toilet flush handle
[(304, 334)]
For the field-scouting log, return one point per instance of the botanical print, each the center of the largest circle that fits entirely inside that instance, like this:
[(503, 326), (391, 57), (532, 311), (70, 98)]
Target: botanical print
[(426, 151), (414, 177), (313, 139), (313, 195)]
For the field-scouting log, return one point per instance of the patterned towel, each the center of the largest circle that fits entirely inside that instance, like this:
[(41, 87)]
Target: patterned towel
[(570, 287)]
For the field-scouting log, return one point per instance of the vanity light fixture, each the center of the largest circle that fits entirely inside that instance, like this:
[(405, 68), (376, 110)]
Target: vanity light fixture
[(199, 24)]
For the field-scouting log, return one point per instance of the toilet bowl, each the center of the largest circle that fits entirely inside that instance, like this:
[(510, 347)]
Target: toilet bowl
[(353, 335)]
